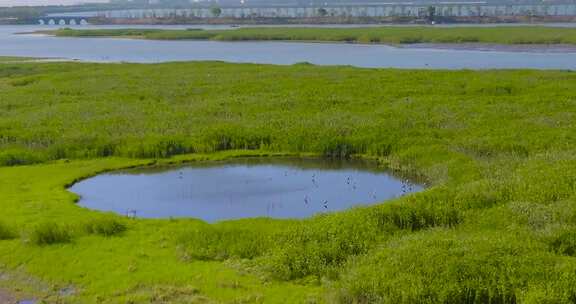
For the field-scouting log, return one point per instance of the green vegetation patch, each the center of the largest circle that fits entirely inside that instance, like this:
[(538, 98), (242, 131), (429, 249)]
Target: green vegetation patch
[(387, 35), (5, 59), (105, 226), (49, 233), (6, 232), (497, 223)]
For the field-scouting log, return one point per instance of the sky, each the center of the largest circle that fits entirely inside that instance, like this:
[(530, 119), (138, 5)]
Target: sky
[(44, 2)]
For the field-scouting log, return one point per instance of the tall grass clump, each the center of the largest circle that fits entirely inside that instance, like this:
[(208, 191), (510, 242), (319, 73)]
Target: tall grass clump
[(443, 267), (221, 243), (319, 246), (6, 233), (14, 157), (49, 233), (564, 242), (105, 226)]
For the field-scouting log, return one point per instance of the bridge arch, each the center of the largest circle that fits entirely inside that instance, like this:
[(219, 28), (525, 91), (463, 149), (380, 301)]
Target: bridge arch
[(63, 21)]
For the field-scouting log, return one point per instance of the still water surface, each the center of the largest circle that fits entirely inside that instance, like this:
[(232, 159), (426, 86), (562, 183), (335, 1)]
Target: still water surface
[(278, 188), (284, 53)]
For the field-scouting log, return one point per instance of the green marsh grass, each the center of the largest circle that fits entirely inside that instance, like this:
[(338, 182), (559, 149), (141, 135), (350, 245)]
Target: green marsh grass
[(495, 148), (105, 226), (6, 232), (387, 35), (225, 242), (8, 59), (49, 233)]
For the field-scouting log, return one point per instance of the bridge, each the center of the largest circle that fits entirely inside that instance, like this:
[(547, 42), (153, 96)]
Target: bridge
[(63, 20)]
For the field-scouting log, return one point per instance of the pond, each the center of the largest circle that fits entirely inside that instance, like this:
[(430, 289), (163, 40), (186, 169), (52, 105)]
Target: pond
[(283, 53), (242, 188)]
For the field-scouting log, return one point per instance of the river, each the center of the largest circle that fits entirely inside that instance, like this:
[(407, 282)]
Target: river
[(283, 53)]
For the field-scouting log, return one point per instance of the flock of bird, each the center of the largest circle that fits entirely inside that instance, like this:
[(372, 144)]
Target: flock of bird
[(406, 188)]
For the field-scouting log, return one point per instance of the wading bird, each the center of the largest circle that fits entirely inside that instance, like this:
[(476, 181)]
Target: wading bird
[(131, 213)]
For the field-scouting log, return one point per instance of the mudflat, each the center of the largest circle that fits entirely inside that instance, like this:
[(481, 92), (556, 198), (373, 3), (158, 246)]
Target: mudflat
[(6, 297)]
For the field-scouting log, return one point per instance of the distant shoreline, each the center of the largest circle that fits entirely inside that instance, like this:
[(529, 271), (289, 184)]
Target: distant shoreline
[(525, 38)]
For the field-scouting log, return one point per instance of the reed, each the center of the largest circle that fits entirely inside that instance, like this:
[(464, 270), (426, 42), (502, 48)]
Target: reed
[(495, 148)]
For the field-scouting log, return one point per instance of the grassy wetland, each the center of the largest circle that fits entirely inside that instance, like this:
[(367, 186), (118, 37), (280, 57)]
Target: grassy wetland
[(496, 148), (385, 35)]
